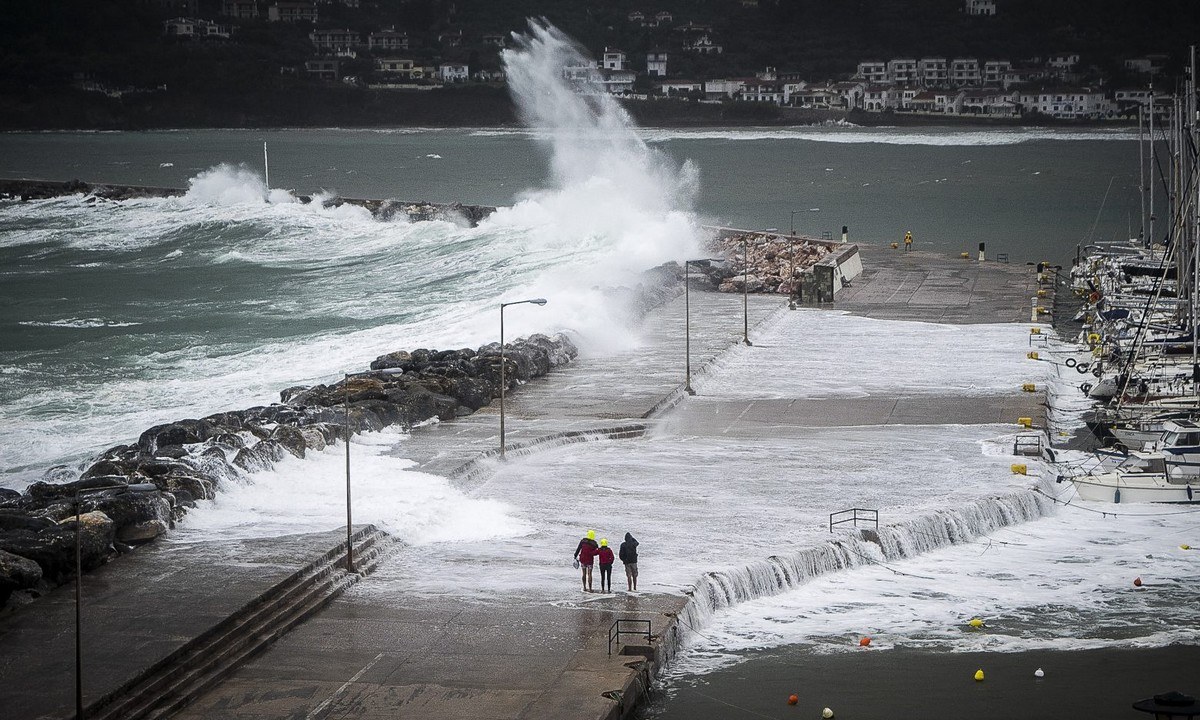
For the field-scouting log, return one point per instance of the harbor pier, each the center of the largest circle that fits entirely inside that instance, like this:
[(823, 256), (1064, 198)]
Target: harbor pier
[(378, 650)]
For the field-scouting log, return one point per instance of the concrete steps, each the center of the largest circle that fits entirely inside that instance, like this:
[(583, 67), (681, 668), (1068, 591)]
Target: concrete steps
[(175, 681)]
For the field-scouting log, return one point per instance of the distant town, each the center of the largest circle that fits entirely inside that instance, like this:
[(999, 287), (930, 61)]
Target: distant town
[(729, 53)]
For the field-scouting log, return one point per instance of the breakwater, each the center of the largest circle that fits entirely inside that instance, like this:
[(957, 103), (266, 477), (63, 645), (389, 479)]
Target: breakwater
[(417, 211)]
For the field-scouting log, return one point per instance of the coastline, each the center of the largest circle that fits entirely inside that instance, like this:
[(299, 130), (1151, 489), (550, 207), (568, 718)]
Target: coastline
[(472, 106)]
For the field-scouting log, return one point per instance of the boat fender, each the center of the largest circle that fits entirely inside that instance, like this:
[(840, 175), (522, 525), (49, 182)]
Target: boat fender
[(1094, 297), (1086, 387), (1189, 492), (1093, 338), (1058, 479), (1070, 362), (1082, 368), (1117, 495), (1097, 371), (1050, 454)]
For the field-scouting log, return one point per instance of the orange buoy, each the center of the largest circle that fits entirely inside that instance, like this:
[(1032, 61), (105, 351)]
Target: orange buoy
[(865, 641), (793, 699), (1094, 297), (1137, 581)]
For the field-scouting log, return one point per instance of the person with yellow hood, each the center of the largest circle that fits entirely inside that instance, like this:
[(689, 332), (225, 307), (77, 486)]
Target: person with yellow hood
[(606, 562), (585, 554)]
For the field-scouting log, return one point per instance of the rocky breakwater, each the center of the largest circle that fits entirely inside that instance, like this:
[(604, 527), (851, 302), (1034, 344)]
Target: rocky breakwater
[(131, 494), (769, 263)]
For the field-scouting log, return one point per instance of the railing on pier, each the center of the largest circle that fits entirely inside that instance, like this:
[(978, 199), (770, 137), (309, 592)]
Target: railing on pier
[(853, 515), (615, 632)]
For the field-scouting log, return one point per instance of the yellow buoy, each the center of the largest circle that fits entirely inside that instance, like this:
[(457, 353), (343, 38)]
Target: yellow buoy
[(1035, 331), (1185, 547), (979, 675), (975, 623), (965, 256), (895, 246), (1032, 355), (1042, 310), (1029, 387), (1025, 422), (1020, 469), (1041, 293)]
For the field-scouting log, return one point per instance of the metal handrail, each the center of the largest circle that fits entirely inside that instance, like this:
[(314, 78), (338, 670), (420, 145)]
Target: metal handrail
[(852, 515), (615, 632)]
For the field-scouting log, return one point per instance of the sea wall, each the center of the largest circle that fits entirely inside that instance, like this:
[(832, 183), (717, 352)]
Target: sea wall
[(415, 211)]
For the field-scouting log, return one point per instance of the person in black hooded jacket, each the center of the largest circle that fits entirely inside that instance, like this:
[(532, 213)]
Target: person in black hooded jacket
[(628, 555)]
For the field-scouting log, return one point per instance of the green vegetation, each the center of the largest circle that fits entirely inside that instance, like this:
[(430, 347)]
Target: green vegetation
[(50, 50)]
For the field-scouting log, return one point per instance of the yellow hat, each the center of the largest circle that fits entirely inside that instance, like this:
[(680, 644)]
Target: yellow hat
[(603, 542), (591, 534)]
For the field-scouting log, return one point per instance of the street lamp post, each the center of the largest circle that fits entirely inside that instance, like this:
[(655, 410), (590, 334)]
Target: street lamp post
[(503, 380), (745, 291), (346, 408), (792, 240), (687, 323)]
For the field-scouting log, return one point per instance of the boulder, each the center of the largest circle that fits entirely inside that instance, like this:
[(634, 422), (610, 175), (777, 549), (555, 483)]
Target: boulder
[(16, 573), (9, 498), (288, 394), (141, 532), (400, 359), (182, 432), (314, 439), (132, 508), (290, 439), (262, 455), (13, 519)]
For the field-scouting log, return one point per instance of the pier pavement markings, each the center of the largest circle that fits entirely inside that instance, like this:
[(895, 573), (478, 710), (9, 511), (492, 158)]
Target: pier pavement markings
[(319, 710)]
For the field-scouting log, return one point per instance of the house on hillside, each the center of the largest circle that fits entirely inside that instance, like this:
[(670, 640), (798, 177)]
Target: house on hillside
[(179, 27), (394, 67), (617, 82), (1147, 65), (878, 98), (331, 42), (933, 72), (656, 63), (240, 9), (453, 73), (385, 41), (613, 59), (763, 91), (873, 71), (704, 45), (923, 102), (292, 12), (903, 71), (1066, 103), (493, 40), (323, 68), (848, 95), (964, 72), (672, 88), (720, 89), (994, 71)]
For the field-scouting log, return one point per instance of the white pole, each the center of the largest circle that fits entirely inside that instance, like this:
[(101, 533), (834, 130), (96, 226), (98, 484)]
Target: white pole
[(266, 168)]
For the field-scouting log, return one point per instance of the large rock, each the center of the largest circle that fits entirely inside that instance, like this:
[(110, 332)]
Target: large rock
[(9, 498), (53, 548), (16, 573), (290, 439), (14, 519), (182, 432)]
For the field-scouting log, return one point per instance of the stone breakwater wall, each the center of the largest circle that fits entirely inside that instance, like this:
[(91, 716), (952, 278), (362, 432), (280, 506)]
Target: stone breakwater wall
[(133, 493), (773, 263), (26, 190)]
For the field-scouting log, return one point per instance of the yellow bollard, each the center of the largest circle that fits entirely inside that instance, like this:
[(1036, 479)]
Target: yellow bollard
[(1041, 293), (1025, 422), (1020, 469), (1035, 331), (895, 246), (965, 256), (1032, 355), (1029, 387)]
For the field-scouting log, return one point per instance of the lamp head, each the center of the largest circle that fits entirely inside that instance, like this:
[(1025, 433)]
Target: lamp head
[(538, 301)]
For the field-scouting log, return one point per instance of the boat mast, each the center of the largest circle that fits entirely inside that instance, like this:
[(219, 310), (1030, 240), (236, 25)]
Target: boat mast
[(1142, 236), (266, 169), (1150, 122)]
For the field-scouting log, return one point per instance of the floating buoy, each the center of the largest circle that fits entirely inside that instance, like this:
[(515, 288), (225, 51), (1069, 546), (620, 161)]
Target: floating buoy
[(1032, 355), (1039, 673), (1093, 338), (793, 699), (1137, 581), (865, 641), (979, 675), (976, 623), (827, 713)]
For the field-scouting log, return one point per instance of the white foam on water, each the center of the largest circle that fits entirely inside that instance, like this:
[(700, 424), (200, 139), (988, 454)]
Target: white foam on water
[(309, 495)]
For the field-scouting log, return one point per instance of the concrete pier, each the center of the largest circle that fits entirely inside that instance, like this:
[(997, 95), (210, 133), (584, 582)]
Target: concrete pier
[(384, 653)]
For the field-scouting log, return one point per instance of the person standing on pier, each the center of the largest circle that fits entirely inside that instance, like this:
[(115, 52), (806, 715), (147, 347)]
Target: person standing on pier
[(585, 553), (908, 241), (606, 562), (628, 555)]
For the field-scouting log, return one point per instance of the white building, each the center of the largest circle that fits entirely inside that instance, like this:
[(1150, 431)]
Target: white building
[(614, 59), (1067, 103), (656, 63), (717, 89), (879, 97), (453, 73), (964, 71), (903, 71), (934, 71), (872, 71), (617, 82), (994, 71), (388, 40)]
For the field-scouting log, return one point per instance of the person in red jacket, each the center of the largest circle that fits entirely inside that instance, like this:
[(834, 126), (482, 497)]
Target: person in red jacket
[(606, 562), (585, 554)]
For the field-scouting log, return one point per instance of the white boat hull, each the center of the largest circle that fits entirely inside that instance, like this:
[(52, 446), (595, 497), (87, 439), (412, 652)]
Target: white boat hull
[(1134, 488)]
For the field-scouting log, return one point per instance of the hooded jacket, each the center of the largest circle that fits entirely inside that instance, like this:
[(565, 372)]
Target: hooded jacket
[(606, 555), (586, 550), (628, 552)]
